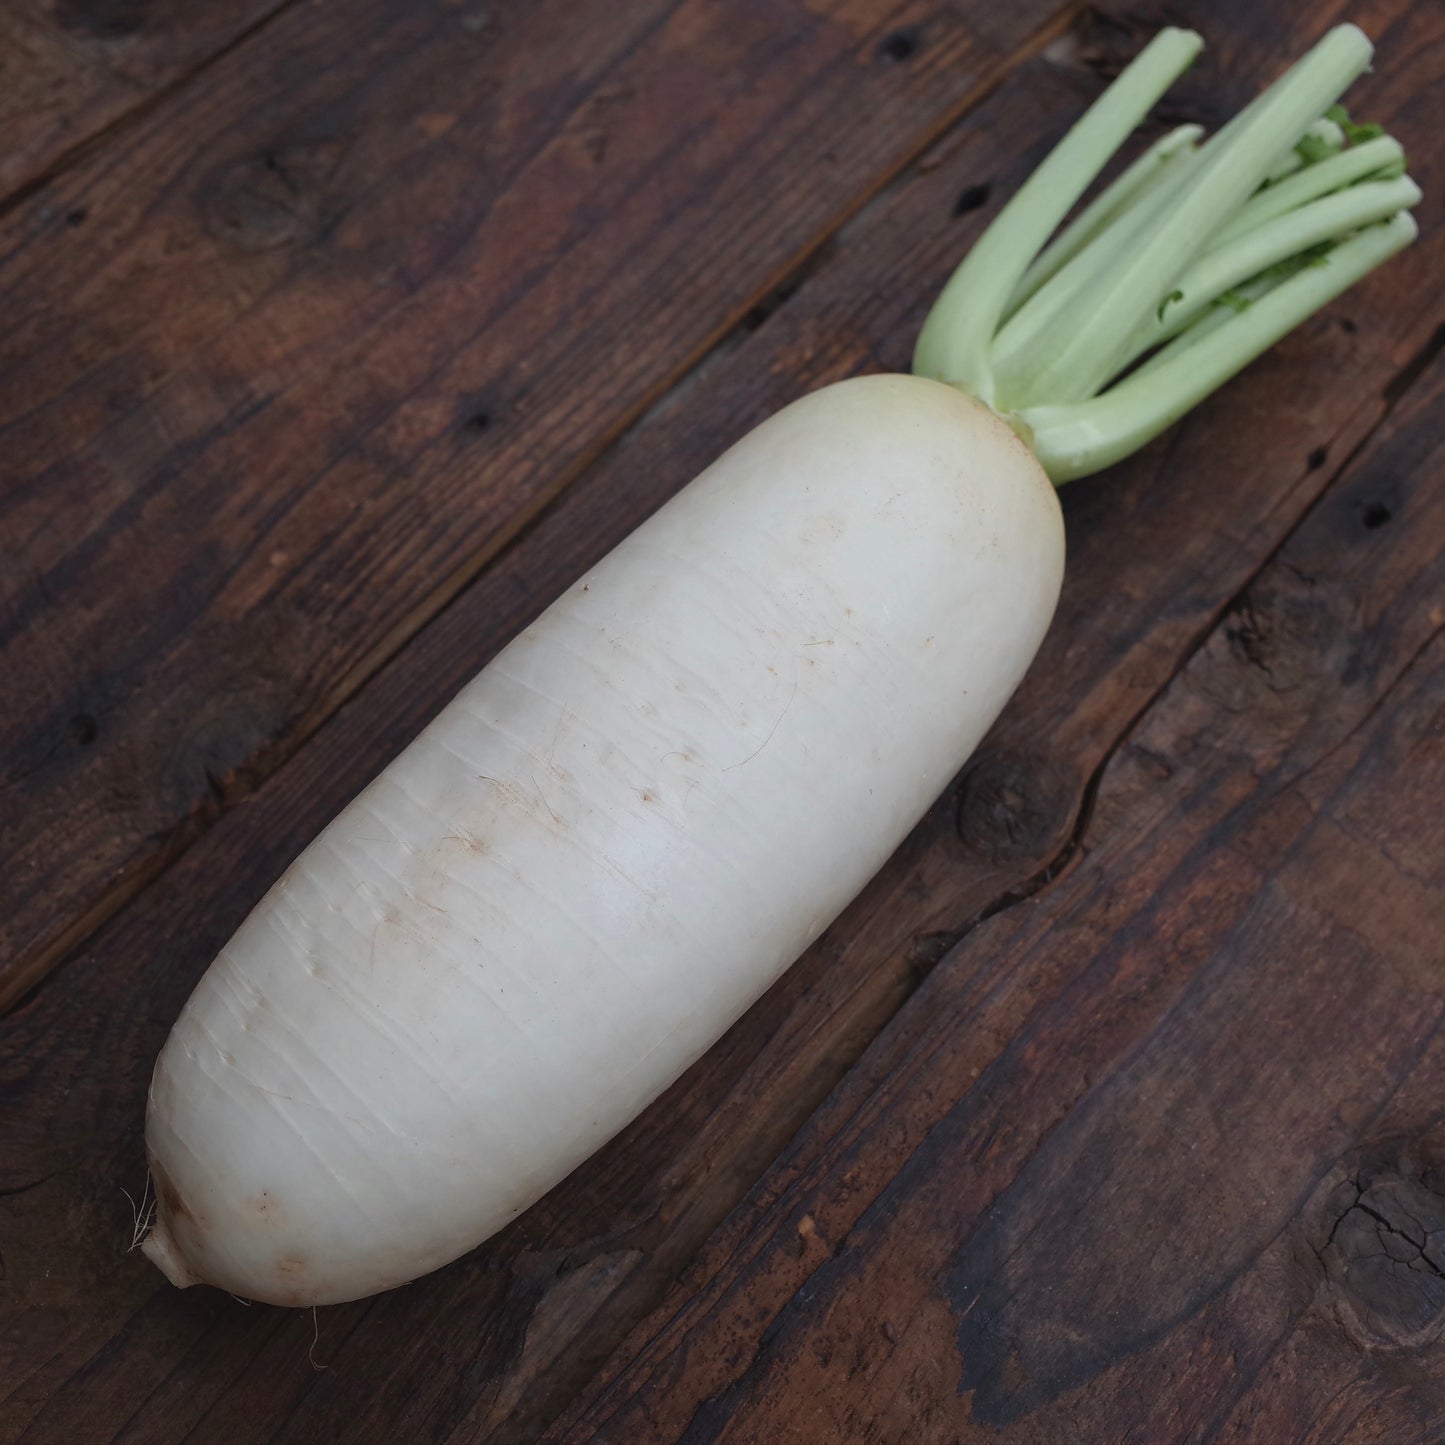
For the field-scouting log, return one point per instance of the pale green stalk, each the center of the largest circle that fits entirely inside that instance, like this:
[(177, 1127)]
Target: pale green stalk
[(1139, 180), (1074, 440), (1219, 314), (1016, 349), (955, 339), (1322, 138), (1326, 219), (1308, 184)]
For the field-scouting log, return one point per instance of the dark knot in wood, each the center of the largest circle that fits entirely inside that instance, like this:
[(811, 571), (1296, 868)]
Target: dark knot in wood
[(1280, 634), (1013, 806), (1289, 645), (275, 199), (1384, 1258)]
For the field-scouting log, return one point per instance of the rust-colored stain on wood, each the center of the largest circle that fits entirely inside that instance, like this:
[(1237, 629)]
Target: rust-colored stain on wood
[(341, 338)]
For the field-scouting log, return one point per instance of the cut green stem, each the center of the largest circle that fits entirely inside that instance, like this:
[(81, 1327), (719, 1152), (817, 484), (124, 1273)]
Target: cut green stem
[(1311, 182), (955, 340), (1241, 298), (1296, 232), (1074, 440), (1139, 180), (1022, 343)]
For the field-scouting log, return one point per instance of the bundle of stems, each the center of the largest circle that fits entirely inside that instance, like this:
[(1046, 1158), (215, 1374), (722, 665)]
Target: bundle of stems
[(1093, 338)]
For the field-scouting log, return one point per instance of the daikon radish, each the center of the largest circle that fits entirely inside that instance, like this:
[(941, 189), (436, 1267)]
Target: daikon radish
[(638, 815)]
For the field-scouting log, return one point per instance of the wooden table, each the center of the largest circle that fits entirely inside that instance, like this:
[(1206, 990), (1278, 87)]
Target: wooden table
[(337, 339)]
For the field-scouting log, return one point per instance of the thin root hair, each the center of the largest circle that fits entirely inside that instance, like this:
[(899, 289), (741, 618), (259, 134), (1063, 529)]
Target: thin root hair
[(142, 1214)]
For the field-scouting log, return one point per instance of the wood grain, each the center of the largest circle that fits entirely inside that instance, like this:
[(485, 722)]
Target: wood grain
[(72, 69), (344, 318), (94, 1346), (1158, 1157)]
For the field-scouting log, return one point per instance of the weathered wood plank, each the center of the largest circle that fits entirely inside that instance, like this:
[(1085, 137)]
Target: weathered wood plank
[(71, 68), (495, 1345), (339, 323), (1159, 1157)]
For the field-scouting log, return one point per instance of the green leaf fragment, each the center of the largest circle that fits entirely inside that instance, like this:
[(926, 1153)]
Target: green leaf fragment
[(1355, 134), (1314, 148)]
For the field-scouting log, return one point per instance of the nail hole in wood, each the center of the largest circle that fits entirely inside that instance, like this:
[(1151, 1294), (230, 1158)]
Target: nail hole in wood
[(1317, 458), (1375, 515), (972, 199)]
